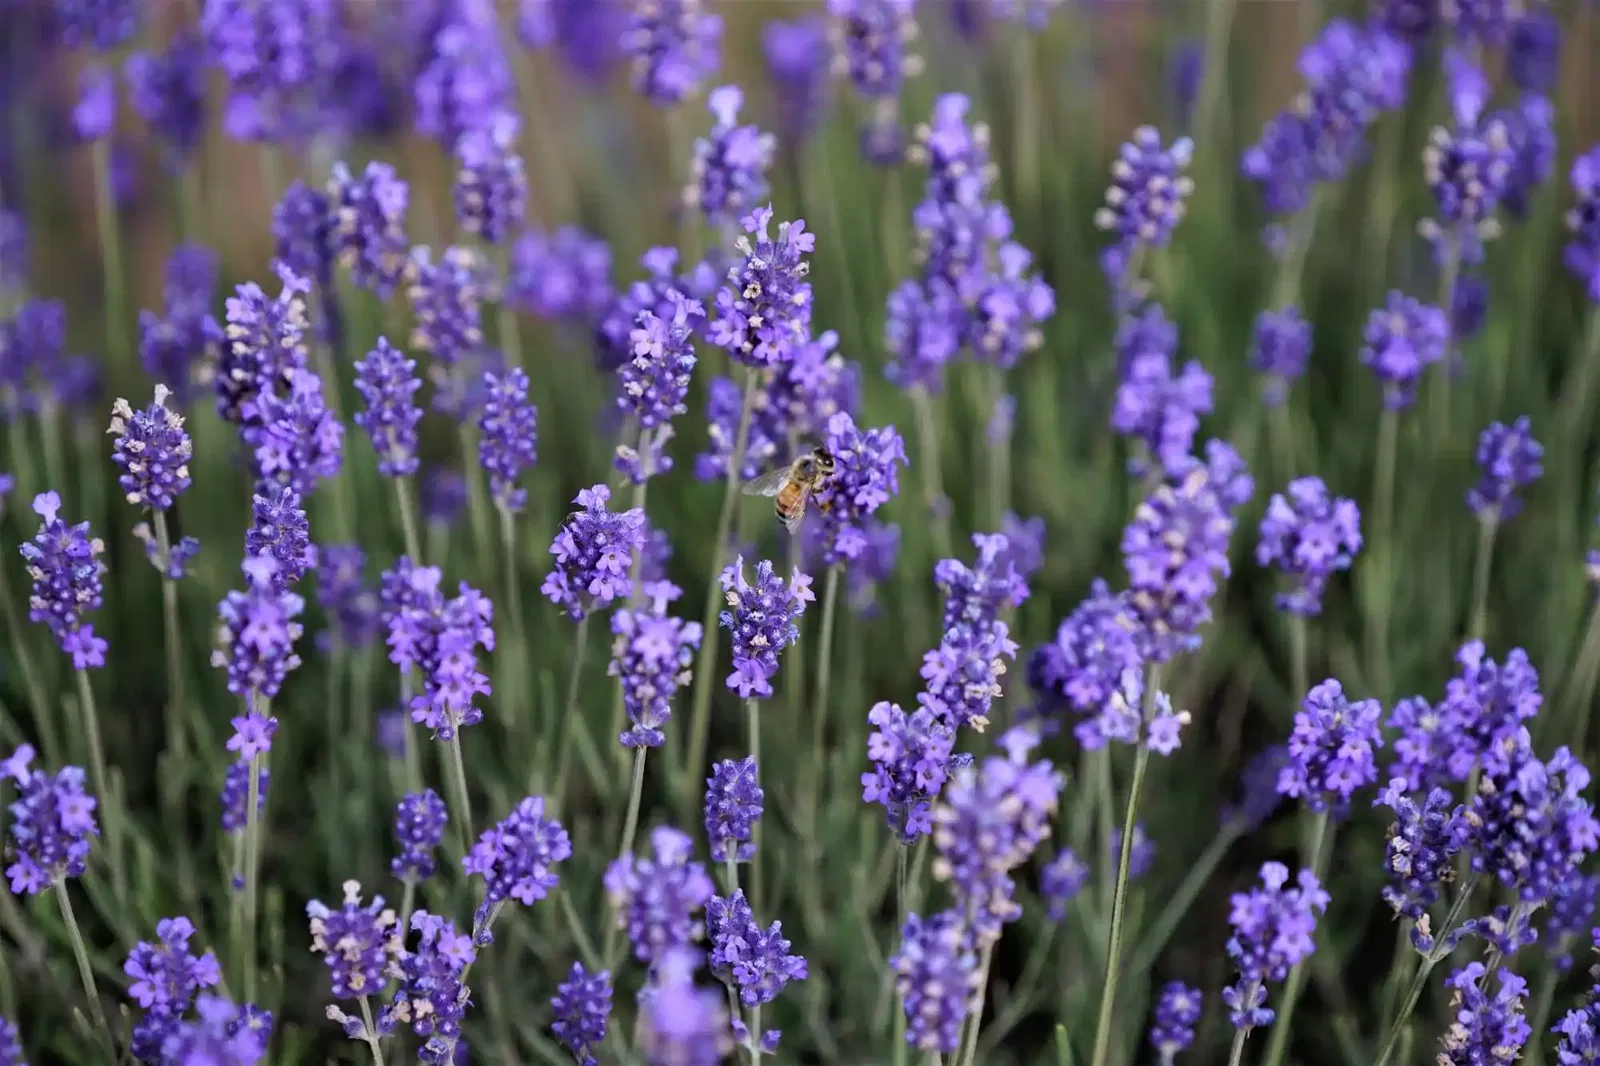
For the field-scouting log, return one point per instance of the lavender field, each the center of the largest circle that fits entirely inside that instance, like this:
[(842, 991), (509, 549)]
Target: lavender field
[(1177, 641)]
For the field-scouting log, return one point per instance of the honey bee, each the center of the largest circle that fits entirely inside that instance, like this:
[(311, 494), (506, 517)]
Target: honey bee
[(793, 485)]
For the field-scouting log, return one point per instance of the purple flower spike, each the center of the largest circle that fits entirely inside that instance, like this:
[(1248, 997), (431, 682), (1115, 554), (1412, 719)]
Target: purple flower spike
[(866, 477), (923, 332), (350, 604), (1484, 1029), (763, 312), (491, 191), (675, 44), (936, 976), (387, 382), (65, 567), (992, 819), (168, 91), (1083, 666), (1467, 167), (733, 806), (1158, 404), (252, 735), (446, 302), (1582, 253), (1509, 459), (52, 819), (728, 174), (1401, 341), (594, 551), (1006, 319), (357, 942), (278, 64), (911, 757), (683, 1025), (1175, 549), (467, 82), (1530, 128), (509, 436), (302, 229), (652, 656), (1280, 348), (1529, 826), (166, 976), (96, 110), (1273, 930), (280, 530), (656, 899), (431, 998), (256, 632), (13, 251), (1177, 1013), (1146, 199), (300, 441), (419, 824), (582, 1007), (517, 858), (1062, 878), (153, 449), (369, 225), (1308, 535), (98, 24), (797, 60), (439, 637), (235, 796), (872, 41), (1331, 748), (1422, 846), (761, 618), (753, 961), (655, 381), (1484, 709), (562, 275), (220, 1033), (266, 340)]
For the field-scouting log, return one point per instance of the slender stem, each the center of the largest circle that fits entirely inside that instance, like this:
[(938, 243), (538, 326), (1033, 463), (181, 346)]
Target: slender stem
[(819, 709), (619, 704), (755, 1033), (43, 719), (1449, 274), (1429, 961), (902, 897), (408, 519), (1236, 1053), (630, 829), (477, 497), (1297, 656), (252, 865), (1543, 1000), (177, 743), (372, 1030), (1149, 949), (1219, 23), (1399, 973), (1383, 536), (752, 713), (80, 952), (1317, 852), (968, 1054), (1575, 400), (110, 805), (1119, 901), (1579, 693), (568, 719), (408, 737), (458, 784), (933, 497), (408, 902), (705, 663), (110, 252), (999, 451), (1487, 527), (512, 655), (1105, 807)]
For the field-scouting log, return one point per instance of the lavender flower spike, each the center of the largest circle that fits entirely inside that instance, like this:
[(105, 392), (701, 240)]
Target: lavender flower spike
[(1177, 1013), (166, 976), (1582, 252), (762, 620), (1331, 748), (867, 476), (582, 1007), (675, 45), (936, 975), (1485, 1028), (52, 820), (517, 858), (1308, 535), (1509, 459), (763, 312), (733, 806), (64, 563), (1145, 201), (387, 381), (1273, 929), (153, 449), (594, 550), (509, 428), (369, 225), (257, 631), (728, 175), (657, 899), (1402, 340), (652, 656)]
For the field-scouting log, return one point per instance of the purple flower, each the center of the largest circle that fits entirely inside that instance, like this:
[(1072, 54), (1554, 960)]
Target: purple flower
[(1580, 1043), (388, 383), (1534, 55), (1158, 404), (265, 342), (1402, 340), (675, 45), (96, 110), (1273, 929), (562, 275), (166, 976), (256, 632), (871, 39), (1484, 1029), (936, 976), (1331, 748), (302, 229), (1177, 1013), (491, 191), (651, 655), (1509, 459), (1419, 855), (299, 440), (1060, 881), (369, 225), (1145, 201), (682, 1025), (98, 24), (153, 449), (235, 795), (52, 819), (763, 312), (655, 380), (1309, 536), (1083, 666), (797, 60), (992, 818), (728, 172), (444, 495), (733, 806), (582, 1006), (466, 83), (1571, 916), (280, 530), (278, 64), (419, 823), (761, 620), (431, 998), (1582, 253), (911, 757), (617, 314), (1529, 825), (509, 436), (64, 565), (1175, 548), (1484, 709), (168, 92), (1280, 348), (923, 332), (957, 223), (1530, 127), (446, 302), (593, 550), (1005, 318), (587, 35), (656, 898), (1468, 168), (517, 858), (357, 942), (13, 251), (221, 1034), (439, 637), (866, 477), (1478, 22), (753, 961), (252, 735)]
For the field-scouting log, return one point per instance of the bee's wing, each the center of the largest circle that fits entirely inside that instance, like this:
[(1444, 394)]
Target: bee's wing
[(767, 484)]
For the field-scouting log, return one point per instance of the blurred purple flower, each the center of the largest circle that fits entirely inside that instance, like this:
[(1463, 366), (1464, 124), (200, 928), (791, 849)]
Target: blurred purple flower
[(369, 219), (1176, 1015), (466, 83), (936, 977), (656, 899), (1530, 129), (302, 229), (388, 383), (871, 39), (733, 806), (96, 110), (1010, 307), (1582, 253), (563, 275), (1142, 856), (1533, 57), (64, 565), (1478, 22), (491, 190), (797, 60), (1146, 199), (446, 305), (1157, 404), (265, 343), (299, 441), (1468, 168), (419, 823), (682, 1025), (256, 632), (279, 60), (1484, 1029), (168, 92), (1308, 535), (588, 35), (1175, 549), (593, 552), (675, 45), (235, 798), (14, 251), (1273, 929), (1060, 881), (52, 819), (582, 1006), (98, 24), (651, 657), (444, 495), (1402, 339), (508, 437), (1509, 459), (728, 171), (1280, 348), (348, 601), (923, 332), (221, 1034), (1571, 916)]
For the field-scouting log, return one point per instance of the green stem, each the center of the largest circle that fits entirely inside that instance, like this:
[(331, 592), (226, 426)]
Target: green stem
[(514, 656), (752, 713), (754, 1047), (928, 467), (1487, 527), (1543, 1000), (1449, 273), (43, 720), (1155, 941), (899, 1048), (630, 828), (569, 723), (372, 1030), (408, 902), (1119, 900), (408, 519), (110, 253), (177, 741), (1429, 961), (80, 952), (705, 663), (1236, 1053), (1317, 853), (1219, 24), (999, 452), (1383, 537), (819, 709), (619, 707), (110, 806), (252, 865), (458, 785), (1105, 803), (969, 1052), (1300, 671), (1579, 693), (477, 496), (1575, 406), (1399, 973)]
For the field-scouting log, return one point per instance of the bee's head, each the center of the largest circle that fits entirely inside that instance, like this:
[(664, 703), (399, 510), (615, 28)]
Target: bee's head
[(825, 462)]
